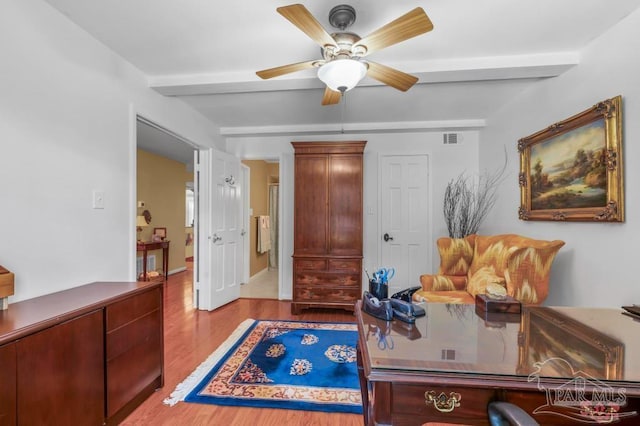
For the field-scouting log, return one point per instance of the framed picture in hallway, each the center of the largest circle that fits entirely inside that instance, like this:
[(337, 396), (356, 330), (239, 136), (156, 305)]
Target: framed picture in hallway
[(572, 170), (160, 233)]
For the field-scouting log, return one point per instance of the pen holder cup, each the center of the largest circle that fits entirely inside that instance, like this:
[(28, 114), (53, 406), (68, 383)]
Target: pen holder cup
[(379, 290)]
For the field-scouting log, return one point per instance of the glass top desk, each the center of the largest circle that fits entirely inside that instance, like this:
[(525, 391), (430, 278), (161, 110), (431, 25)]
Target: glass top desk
[(562, 365)]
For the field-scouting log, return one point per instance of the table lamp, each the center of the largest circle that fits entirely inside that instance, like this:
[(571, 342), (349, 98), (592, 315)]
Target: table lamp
[(140, 222)]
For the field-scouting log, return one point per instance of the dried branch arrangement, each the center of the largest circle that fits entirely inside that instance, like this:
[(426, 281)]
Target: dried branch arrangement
[(467, 201)]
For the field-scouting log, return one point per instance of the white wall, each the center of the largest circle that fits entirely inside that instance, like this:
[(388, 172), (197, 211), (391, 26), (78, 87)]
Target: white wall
[(597, 266), (67, 127), (445, 163)]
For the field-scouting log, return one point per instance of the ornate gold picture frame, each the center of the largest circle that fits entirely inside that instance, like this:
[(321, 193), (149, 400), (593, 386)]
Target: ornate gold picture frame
[(572, 170), (549, 335)]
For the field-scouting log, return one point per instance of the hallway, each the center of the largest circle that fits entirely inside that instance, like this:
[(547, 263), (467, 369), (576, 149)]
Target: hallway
[(263, 285)]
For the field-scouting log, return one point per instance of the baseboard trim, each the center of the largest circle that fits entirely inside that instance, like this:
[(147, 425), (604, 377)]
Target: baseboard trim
[(257, 274), (175, 271)]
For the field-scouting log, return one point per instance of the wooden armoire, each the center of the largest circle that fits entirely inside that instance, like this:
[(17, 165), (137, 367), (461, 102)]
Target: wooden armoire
[(327, 254)]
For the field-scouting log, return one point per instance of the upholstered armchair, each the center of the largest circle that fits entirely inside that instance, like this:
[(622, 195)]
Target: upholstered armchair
[(467, 265)]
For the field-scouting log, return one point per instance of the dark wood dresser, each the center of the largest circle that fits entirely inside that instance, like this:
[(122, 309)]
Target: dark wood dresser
[(89, 355), (327, 257)]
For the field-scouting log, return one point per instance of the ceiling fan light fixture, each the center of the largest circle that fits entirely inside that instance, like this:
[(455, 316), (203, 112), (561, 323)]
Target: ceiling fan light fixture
[(342, 75)]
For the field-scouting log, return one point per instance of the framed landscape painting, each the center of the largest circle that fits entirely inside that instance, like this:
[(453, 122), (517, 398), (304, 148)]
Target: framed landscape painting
[(572, 170)]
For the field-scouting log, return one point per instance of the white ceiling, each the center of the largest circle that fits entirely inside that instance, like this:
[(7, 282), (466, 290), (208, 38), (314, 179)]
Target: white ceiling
[(480, 54)]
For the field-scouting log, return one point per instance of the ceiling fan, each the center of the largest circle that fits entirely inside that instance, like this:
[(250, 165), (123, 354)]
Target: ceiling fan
[(342, 66)]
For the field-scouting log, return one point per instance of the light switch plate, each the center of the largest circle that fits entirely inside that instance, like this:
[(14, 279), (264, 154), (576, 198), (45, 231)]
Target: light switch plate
[(98, 199)]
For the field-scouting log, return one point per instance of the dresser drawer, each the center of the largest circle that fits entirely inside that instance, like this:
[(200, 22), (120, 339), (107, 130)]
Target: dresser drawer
[(121, 313), (311, 264), (347, 265), (129, 373), (326, 279), (410, 400), (326, 294), (123, 339)]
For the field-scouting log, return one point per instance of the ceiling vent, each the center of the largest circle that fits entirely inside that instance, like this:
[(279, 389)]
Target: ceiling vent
[(451, 139)]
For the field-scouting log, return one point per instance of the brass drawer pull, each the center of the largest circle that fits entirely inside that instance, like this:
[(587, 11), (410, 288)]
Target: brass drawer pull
[(443, 403)]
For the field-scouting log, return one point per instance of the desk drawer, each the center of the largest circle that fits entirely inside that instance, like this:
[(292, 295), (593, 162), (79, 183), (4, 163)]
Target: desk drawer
[(532, 400), (410, 400)]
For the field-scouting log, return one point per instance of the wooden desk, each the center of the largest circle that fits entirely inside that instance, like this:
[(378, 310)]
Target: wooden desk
[(144, 247), (461, 362)]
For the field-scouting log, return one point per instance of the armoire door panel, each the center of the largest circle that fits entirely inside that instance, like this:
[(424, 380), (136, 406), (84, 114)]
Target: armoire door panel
[(311, 204), (345, 204)]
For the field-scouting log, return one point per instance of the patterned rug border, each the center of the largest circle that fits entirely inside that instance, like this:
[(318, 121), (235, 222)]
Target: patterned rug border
[(217, 359), (187, 385)]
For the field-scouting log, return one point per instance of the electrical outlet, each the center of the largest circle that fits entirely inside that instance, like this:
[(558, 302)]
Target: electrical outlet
[(98, 199)]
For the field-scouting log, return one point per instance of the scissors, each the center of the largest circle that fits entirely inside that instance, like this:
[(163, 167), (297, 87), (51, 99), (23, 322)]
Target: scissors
[(383, 275), (385, 341)]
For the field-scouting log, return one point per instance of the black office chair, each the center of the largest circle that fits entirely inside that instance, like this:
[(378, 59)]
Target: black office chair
[(507, 414)]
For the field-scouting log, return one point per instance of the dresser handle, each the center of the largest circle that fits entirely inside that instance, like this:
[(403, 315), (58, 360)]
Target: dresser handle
[(443, 403)]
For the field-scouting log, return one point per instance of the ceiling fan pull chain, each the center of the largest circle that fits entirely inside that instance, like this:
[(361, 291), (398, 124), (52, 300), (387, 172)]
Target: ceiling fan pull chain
[(344, 107)]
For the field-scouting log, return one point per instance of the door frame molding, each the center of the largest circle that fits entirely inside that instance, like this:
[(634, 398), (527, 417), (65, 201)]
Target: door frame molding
[(136, 116), (246, 222)]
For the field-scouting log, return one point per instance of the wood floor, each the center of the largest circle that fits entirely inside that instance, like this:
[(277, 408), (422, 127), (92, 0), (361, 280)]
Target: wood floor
[(191, 335)]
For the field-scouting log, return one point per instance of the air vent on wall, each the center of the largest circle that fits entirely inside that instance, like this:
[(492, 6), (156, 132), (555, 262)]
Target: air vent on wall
[(448, 354), (451, 138)]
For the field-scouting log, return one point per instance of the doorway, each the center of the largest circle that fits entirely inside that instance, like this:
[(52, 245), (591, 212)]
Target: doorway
[(263, 229), (164, 184)]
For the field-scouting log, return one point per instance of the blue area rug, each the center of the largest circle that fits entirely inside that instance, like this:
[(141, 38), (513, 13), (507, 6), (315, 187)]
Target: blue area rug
[(280, 364)]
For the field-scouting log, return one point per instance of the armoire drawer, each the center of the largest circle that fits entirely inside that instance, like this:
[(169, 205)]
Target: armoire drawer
[(326, 294), (311, 264), (326, 279), (345, 265)]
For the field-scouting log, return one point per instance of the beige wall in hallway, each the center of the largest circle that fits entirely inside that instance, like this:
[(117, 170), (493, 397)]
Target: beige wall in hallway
[(262, 173), (161, 184)]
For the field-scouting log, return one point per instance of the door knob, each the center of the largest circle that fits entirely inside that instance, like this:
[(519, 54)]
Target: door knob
[(387, 237)]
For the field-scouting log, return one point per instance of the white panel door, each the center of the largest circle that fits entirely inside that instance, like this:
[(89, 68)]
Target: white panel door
[(225, 228), (404, 223)]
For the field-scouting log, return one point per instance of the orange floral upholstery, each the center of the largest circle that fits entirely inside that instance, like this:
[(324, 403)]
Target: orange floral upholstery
[(469, 264)]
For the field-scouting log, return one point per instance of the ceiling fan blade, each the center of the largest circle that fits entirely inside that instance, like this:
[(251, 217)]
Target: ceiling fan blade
[(286, 69), (331, 97), (391, 77), (299, 16), (405, 27)]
